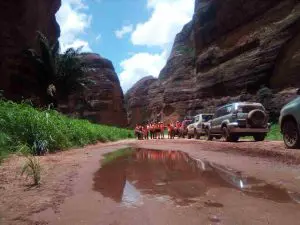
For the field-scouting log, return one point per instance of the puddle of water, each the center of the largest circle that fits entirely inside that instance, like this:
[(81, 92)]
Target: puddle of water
[(129, 174)]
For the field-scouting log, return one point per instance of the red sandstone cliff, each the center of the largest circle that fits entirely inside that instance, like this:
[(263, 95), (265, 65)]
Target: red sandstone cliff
[(230, 47), (102, 101), (19, 21)]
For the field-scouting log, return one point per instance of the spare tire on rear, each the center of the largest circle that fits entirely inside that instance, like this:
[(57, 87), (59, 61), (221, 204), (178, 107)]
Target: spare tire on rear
[(257, 118)]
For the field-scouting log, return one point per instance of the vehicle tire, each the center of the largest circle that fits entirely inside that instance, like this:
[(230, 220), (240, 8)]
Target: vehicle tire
[(259, 137), (234, 138), (209, 136), (189, 136), (291, 136), (226, 135), (196, 135)]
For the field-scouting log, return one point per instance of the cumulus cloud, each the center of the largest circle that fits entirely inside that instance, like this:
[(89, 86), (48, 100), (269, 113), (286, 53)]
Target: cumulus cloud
[(73, 21), (140, 65), (124, 30), (167, 19)]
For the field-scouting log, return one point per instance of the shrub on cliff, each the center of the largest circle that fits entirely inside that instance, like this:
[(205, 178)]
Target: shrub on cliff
[(37, 131), (266, 97)]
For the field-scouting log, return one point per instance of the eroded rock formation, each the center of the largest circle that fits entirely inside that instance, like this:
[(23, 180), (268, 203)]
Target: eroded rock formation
[(102, 101), (226, 53), (19, 21)]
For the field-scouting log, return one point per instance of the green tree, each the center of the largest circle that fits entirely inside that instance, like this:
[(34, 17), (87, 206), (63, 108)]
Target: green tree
[(58, 74)]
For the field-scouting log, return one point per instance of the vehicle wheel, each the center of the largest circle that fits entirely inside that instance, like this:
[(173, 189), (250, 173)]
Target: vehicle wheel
[(209, 136), (235, 138), (226, 134), (196, 135), (259, 137), (291, 135), (189, 136)]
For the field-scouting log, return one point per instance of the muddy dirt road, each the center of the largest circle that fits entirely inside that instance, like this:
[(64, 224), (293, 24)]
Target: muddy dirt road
[(157, 182)]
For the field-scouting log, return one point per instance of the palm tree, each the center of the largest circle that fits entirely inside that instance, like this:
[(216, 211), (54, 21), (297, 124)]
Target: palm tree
[(57, 73)]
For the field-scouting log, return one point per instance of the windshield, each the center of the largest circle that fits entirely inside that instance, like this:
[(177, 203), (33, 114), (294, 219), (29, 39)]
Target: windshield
[(206, 118)]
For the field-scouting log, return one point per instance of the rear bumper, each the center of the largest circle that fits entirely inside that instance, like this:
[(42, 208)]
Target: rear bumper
[(234, 128)]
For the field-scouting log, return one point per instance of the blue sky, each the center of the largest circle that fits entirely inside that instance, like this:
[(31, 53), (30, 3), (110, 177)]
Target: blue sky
[(136, 35)]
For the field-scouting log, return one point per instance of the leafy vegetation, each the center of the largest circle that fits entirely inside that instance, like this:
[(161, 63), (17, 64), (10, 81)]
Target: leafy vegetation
[(58, 74), (26, 129), (274, 134), (32, 168), (266, 97)]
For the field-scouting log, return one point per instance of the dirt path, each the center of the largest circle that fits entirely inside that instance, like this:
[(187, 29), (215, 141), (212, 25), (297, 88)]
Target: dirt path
[(166, 192)]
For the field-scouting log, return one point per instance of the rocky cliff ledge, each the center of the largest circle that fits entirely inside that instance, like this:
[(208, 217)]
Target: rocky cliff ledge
[(102, 101), (19, 21), (226, 53)]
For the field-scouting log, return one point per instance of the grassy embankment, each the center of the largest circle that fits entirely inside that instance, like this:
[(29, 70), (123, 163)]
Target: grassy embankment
[(26, 129)]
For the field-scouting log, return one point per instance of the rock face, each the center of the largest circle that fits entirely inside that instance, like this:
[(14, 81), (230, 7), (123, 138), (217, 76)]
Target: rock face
[(226, 53), (19, 21), (103, 101)]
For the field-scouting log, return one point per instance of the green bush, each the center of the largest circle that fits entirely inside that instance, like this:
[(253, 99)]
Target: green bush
[(24, 127)]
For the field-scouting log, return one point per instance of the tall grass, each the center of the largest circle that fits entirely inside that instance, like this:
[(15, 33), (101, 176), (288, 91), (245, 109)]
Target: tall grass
[(24, 127), (274, 134), (32, 168)]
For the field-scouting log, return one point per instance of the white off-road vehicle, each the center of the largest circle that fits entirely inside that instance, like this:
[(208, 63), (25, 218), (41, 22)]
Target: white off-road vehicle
[(237, 120), (197, 128)]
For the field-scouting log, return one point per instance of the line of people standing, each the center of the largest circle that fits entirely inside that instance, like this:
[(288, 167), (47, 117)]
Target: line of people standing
[(156, 130)]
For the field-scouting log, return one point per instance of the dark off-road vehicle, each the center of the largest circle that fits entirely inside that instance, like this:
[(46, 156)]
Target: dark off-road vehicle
[(290, 123), (237, 120)]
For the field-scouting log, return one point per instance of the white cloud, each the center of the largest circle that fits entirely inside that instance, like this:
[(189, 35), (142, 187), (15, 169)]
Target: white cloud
[(73, 21), (140, 65), (124, 30), (167, 19)]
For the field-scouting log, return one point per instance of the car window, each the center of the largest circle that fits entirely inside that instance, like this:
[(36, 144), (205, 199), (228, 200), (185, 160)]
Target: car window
[(194, 119), (206, 118)]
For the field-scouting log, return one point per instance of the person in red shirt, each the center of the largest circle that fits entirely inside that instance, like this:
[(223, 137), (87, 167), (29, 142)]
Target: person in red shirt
[(162, 130), (145, 132)]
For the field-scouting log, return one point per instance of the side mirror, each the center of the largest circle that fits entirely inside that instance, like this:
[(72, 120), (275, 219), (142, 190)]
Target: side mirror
[(298, 91)]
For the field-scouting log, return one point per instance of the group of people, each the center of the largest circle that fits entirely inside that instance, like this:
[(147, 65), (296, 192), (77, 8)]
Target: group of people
[(157, 130)]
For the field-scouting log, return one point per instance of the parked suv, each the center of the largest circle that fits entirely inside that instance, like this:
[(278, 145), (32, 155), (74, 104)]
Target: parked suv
[(290, 123), (240, 119), (197, 127)]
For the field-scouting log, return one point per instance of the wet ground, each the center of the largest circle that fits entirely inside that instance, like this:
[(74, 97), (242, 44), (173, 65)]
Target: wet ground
[(174, 176), (184, 183)]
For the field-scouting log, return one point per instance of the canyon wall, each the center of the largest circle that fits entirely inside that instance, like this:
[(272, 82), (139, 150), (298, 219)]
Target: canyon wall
[(19, 21), (229, 50)]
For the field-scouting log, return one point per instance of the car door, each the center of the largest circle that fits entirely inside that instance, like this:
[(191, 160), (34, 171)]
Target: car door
[(192, 125), (214, 121)]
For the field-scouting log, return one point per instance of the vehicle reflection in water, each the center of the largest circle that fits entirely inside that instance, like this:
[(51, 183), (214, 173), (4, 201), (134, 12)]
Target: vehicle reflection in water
[(174, 175)]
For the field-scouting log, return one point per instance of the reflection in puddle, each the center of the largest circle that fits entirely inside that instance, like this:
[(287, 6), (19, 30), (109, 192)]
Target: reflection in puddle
[(174, 175)]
